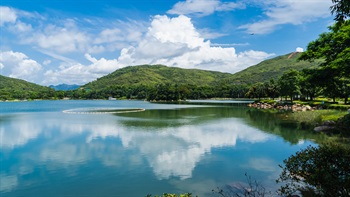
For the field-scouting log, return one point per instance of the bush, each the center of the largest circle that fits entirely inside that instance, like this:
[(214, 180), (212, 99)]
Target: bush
[(252, 189), (343, 125), (317, 171)]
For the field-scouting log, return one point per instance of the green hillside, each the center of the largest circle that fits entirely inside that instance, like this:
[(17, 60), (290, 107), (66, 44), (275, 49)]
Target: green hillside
[(158, 82), (11, 88), (157, 74), (271, 69)]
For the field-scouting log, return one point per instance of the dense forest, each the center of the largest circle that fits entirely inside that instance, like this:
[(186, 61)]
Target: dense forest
[(11, 89)]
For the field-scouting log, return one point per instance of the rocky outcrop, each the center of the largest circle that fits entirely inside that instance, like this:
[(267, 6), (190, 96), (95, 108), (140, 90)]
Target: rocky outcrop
[(326, 126), (294, 108)]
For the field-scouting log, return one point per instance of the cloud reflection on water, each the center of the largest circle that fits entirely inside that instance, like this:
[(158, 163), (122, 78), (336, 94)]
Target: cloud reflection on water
[(66, 140)]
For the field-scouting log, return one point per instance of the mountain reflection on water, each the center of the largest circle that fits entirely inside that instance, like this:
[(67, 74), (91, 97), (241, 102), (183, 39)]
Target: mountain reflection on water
[(176, 150)]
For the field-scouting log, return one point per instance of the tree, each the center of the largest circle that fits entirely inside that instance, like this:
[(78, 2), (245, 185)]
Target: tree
[(341, 9), (257, 90), (334, 48), (310, 83), (272, 89), (289, 84), (317, 171)]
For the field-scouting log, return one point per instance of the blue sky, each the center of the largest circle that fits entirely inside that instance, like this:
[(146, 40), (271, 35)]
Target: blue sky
[(75, 42)]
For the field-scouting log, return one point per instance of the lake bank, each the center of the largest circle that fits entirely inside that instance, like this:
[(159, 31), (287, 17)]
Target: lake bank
[(328, 121)]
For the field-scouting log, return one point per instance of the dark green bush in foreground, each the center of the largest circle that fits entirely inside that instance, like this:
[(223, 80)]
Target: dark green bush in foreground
[(317, 171), (344, 124)]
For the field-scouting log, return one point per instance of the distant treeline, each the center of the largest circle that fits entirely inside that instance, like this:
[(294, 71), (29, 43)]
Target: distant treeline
[(166, 92)]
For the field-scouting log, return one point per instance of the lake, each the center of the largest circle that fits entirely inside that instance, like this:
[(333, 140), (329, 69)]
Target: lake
[(70, 148)]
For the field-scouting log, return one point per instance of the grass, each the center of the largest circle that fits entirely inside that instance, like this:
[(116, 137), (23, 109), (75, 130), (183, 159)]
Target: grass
[(317, 116)]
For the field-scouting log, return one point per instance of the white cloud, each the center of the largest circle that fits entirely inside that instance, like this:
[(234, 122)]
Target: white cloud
[(22, 27), (19, 65), (61, 39), (169, 41), (229, 44), (210, 34), (203, 7), (110, 35), (102, 66), (7, 15), (295, 12), (47, 62), (299, 49), (77, 73), (72, 35), (10, 15), (176, 42), (126, 34)]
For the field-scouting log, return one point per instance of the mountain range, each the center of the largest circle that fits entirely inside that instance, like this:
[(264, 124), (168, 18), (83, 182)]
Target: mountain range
[(64, 87)]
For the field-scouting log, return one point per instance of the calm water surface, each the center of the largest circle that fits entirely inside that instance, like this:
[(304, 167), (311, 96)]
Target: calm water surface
[(166, 148)]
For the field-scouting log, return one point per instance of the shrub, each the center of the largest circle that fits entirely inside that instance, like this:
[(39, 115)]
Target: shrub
[(317, 171), (343, 125)]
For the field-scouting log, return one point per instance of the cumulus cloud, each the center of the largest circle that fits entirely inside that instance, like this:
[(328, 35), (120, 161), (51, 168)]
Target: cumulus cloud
[(172, 41), (77, 73), (65, 39), (203, 7), (176, 42), (12, 16), (295, 12), (7, 15), (19, 65), (299, 49), (112, 39), (70, 35)]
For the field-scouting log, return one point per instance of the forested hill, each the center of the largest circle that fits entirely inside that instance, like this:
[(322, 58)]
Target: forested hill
[(158, 74), (11, 88), (158, 82), (271, 69)]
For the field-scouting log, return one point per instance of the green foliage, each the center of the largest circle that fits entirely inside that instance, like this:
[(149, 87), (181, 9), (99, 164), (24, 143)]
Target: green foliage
[(343, 125), (333, 47), (157, 82), (289, 84), (151, 75), (341, 9), (271, 69), (317, 171), (309, 82), (338, 107), (11, 89), (316, 117)]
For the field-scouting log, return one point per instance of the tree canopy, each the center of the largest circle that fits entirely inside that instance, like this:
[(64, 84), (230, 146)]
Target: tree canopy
[(334, 48), (341, 9), (317, 171)]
